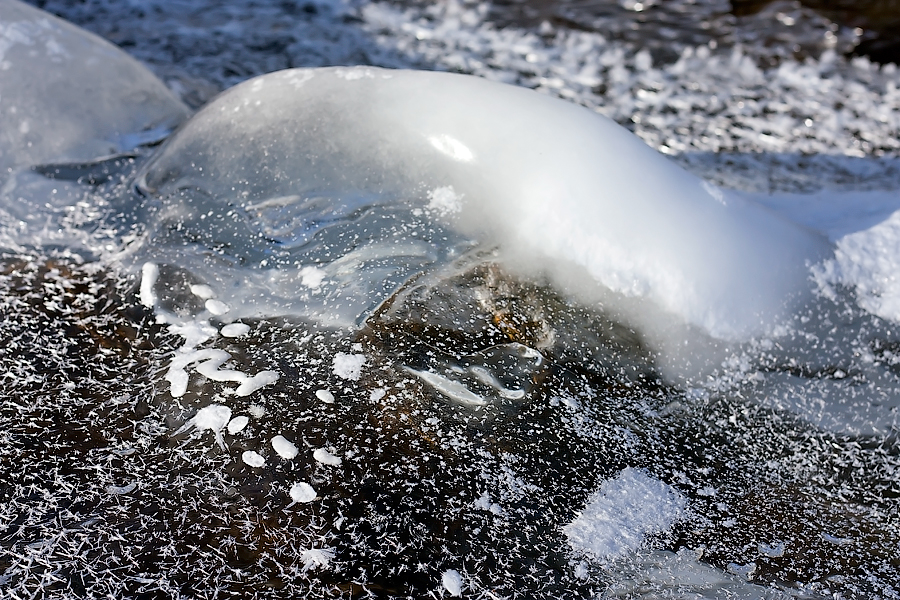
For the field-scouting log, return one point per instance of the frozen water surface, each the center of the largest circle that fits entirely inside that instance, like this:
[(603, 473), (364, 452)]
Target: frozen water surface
[(705, 409)]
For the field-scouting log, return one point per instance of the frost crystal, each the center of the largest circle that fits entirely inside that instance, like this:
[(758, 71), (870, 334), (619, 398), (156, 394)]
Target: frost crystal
[(349, 366)]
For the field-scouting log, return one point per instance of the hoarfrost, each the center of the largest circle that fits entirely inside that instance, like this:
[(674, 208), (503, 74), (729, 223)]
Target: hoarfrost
[(316, 557), (348, 366), (620, 515)]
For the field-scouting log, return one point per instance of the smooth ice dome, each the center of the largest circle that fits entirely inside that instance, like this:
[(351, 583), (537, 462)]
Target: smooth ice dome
[(68, 95), (565, 192)]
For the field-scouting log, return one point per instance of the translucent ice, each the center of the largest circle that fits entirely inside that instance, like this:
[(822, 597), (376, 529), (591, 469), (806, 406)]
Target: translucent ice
[(67, 95), (309, 161)]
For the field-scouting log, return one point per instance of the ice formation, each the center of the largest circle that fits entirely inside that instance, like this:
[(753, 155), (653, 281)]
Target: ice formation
[(302, 492), (503, 484), (348, 366), (565, 192), (284, 447), (252, 458), (452, 582), (622, 513), (66, 95), (326, 458)]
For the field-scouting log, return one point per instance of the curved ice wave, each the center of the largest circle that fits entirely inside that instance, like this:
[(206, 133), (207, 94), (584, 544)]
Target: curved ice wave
[(565, 192)]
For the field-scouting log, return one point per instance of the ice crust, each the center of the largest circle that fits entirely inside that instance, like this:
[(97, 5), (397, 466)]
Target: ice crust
[(90, 99), (565, 192)]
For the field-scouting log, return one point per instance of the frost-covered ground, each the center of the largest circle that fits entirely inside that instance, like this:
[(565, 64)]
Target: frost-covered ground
[(321, 462)]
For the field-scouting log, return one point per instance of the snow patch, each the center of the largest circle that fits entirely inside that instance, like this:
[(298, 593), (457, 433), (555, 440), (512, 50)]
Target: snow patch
[(237, 424), (149, 275), (284, 447), (452, 582), (302, 492), (348, 366), (325, 396), (234, 330), (253, 459), (622, 513), (326, 458)]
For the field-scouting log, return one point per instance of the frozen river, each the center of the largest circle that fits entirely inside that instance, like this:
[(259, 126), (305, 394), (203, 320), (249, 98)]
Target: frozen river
[(360, 331)]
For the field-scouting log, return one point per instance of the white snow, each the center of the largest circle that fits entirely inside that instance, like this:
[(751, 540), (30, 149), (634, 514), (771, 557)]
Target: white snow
[(869, 262), (452, 582), (237, 424), (209, 362), (253, 459), (256, 382), (149, 275), (325, 396), (302, 492), (348, 366), (312, 277), (619, 516), (771, 550), (444, 201), (234, 330), (217, 307), (326, 458), (202, 291), (284, 447), (213, 417)]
